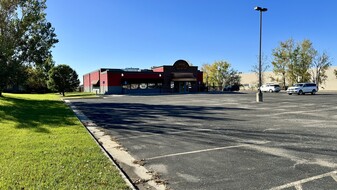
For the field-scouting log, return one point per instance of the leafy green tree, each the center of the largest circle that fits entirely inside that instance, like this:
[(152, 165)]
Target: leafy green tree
[(293, 66), (300, 62), (232, 77), (38, 76), (293, 62), (320, 65), (215, 72), (205, 68), (281, 61), (306, 57), (63, 78), (8, 65), (25, 38), (220, 74)]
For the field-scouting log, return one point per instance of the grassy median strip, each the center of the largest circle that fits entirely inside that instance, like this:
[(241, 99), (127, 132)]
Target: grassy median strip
[(44, 146)]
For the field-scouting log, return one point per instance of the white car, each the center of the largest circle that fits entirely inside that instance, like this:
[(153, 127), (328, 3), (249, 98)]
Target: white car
[(270, 88), (302, 88)]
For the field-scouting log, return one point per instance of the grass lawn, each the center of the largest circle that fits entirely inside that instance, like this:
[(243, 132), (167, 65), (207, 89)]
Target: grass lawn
[(69, 95), (44, 146)]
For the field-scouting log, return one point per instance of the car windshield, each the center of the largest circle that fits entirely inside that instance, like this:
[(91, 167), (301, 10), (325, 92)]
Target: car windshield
[(276, 86), (298, 85)]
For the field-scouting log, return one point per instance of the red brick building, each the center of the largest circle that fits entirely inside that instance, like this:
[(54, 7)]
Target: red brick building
[(179, 78)]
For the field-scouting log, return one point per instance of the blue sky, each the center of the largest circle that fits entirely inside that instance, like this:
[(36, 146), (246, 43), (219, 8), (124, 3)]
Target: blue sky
[(145, 33)]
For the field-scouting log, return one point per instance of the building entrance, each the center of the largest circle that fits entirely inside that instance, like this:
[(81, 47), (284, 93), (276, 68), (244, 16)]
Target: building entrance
[(184, 87)]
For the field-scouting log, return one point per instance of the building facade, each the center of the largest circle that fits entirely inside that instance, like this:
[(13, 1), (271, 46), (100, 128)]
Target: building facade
[(178, 78), (249, 81)]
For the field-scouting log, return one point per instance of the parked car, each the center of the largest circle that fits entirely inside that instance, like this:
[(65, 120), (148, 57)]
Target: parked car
[(232, 88), (270, 88), (302, 88)]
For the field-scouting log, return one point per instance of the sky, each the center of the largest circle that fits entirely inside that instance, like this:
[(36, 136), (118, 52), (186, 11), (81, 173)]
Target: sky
[(145, 33)]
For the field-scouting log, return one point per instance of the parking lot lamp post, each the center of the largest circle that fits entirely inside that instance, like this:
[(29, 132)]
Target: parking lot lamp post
[(259, 95)]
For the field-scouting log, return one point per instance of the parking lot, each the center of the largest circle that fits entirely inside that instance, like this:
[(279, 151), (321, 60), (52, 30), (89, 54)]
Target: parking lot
[(226, 141)]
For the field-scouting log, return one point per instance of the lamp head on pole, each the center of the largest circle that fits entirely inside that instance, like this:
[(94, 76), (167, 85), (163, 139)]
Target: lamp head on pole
[(260, 9)]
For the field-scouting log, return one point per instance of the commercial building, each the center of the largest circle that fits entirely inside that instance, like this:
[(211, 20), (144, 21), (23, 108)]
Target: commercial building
[(249, 81), (178, 78)]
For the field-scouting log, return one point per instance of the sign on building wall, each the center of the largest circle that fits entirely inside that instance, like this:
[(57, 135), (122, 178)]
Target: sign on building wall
[(181, 65)]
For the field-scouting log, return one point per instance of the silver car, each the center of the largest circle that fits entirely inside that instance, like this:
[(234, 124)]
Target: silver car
[(302, 88), (270, 88)]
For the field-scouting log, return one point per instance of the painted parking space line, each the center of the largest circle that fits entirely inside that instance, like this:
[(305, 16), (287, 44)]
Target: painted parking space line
[(285, 112), (197, 151), (298, 184), (171, 133), (334, 176), (298, 187)]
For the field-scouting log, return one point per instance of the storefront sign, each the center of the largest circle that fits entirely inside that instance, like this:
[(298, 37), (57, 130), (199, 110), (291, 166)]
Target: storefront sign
[(181, 65), (143, 86)]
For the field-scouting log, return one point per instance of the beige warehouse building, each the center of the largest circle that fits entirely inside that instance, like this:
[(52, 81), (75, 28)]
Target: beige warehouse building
[(250, 80)]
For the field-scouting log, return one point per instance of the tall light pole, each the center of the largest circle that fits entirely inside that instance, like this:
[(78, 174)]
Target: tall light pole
[(259, 95)]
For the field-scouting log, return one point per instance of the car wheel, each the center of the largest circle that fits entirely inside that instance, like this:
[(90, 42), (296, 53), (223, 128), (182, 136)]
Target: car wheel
[(300, 92), (270, 90), (289, 93), (313, 92)]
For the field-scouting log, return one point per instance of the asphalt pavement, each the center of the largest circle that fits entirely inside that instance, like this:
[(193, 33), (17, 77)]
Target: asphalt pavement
[(226, 141)]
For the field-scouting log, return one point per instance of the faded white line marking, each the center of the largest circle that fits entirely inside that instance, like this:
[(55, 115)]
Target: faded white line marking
[(299, 112), (298, 187), (175, 132), (334, 176), (296, 183), (197, 151), (284, 153), (271, 129)]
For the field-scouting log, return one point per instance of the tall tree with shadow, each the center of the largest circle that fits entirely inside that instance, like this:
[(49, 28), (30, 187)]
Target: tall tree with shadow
[(26, 39), (63, 78)]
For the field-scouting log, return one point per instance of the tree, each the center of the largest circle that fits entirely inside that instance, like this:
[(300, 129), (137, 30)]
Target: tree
[(220, 74), (335, 71), (320, 65), (306, 57), (215, 72), (264, 67), (63, 78), (37, 77), (293, 66), (293, 62), (281, 59), (232, 78), (25, 38), (7, 43), (205, 68), (301, 60)]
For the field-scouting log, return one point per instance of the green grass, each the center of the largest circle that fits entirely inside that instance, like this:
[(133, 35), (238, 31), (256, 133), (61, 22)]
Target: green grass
[(80, 95), (44, 146)]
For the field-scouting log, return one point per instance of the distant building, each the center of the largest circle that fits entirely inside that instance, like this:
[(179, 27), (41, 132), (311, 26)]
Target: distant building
[(249, 81), (178, 78)]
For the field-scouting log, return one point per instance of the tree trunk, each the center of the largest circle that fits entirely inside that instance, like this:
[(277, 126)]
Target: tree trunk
[(63, 93), (284, 81), (1, 90)]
